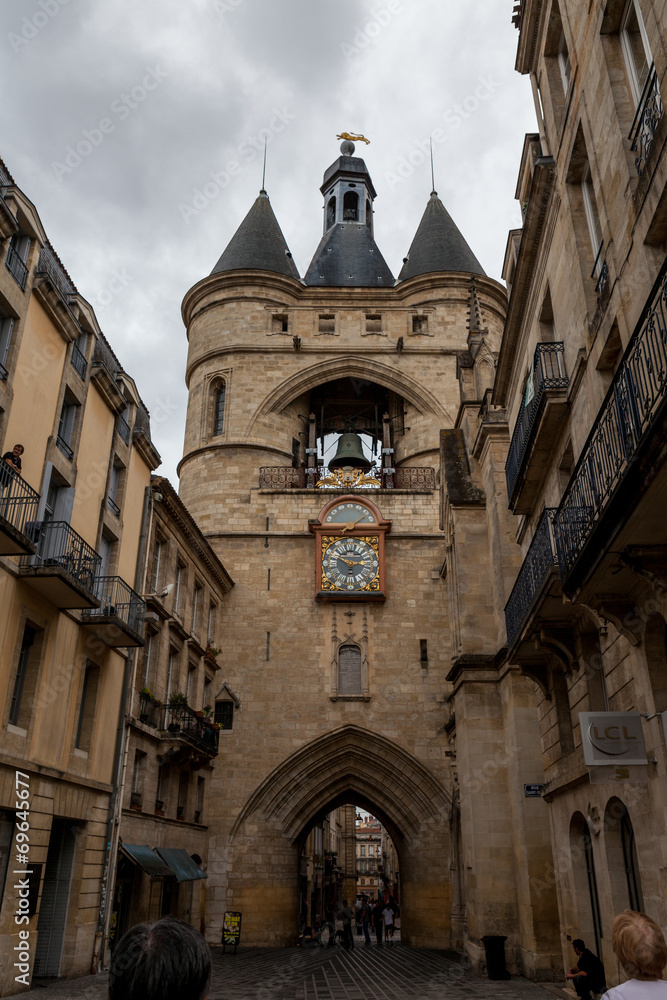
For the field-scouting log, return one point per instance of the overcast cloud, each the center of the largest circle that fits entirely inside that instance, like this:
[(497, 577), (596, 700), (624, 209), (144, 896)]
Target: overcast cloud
[(172, 92)]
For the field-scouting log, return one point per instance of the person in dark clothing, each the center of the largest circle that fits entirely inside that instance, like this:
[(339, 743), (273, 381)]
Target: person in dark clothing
[(588, 974), (13, 459), (378, 922), (167, 960), (365, 914), (346, 916)]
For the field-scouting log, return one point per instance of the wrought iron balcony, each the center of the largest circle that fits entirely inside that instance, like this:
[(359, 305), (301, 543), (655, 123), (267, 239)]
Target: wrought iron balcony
[(64, 447), (3, 373), (113, 506), (18, 509), (649, 113), (64, 568), (321, 478), (16, 267), (540, 559), (119, 619), (547, 374), (123, 428), (623, 423), (182, 723), (49, 264), (79, 362)]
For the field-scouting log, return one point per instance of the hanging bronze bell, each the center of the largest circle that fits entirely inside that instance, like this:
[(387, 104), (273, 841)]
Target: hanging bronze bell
[(350, 452)]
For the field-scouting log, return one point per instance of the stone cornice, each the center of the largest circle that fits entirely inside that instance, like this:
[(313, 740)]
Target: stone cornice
[(530, 28)]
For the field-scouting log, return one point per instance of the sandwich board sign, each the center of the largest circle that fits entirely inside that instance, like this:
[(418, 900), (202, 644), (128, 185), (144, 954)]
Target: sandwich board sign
[(231, 930)]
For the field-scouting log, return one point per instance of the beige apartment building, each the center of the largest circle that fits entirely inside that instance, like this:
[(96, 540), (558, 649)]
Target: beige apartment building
[(582, 378), (70, 611)]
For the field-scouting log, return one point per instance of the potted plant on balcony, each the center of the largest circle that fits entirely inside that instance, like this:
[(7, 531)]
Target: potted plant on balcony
[(146, 700), (136, 800), (159, 807), (212, 651), (177, 705)]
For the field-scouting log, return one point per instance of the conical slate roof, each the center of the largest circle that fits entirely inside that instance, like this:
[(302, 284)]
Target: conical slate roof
[(438, 245), (348, 257), (258, 244)]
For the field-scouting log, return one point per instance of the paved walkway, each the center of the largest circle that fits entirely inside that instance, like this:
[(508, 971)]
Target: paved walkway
[(392, 972)]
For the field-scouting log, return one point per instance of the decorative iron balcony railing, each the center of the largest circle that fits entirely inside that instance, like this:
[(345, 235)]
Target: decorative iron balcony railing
[(16, 267), (117, 599), (284, 478), (59, 546), (18, 501), (123, 428), (548, 372), (636, 392), (49, 264), (113, 506), (540, 558), (183, 720), (3, 373), (649, 113), (79, 362)]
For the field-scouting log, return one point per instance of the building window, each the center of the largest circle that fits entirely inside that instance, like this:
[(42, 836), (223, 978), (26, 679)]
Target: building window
[(210, 628), (172, 669), (183, 782), (66, 426), (362, 851), (350, 206), (114, 483), (147, 661), (25, 681), (180, 577), (219, 409), (373, 323), (224, 714), (592, 218), (191, 682), (138, 772), (349, 670), (157, 559), (327, 323), (84, 729), (331, 212), (636, 49), (6, 327), (199, 800), (419, 324), (280, 323), (564, 63), (196, 608)]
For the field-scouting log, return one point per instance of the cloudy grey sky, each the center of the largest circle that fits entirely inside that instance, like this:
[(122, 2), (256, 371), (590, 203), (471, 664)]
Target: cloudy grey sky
[(160, 96)]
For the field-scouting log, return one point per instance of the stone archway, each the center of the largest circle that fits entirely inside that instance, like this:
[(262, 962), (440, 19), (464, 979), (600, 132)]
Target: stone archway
[(354, 765)]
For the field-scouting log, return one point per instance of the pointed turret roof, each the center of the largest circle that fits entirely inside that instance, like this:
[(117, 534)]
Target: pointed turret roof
[(438, 245), (258, 244), (348, 256)]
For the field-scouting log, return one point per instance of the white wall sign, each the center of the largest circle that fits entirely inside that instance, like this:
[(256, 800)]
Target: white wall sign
[(615, 738)]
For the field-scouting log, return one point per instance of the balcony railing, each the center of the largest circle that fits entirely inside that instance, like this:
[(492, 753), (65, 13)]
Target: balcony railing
[(123, 428), (540, 558), (113, 506), (18, 501), (49, 264), (64, 447), (548, 372), (184, 721), (636, 392), (79, 362), (649, 113), (3, 373), (117, 600), (59, 546), (16, 267), (285, 478)]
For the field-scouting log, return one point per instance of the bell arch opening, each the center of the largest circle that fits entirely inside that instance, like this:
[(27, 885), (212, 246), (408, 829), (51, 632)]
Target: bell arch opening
[(349, 766)]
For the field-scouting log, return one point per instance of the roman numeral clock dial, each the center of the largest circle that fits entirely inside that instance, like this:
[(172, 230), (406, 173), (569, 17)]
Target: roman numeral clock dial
[(350, 551)]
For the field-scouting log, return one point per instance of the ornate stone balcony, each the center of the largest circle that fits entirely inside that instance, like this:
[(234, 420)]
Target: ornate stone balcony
[(321, 478)]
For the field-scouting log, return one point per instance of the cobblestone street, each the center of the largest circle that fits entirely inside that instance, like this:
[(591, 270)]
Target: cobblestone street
[(392, 973)]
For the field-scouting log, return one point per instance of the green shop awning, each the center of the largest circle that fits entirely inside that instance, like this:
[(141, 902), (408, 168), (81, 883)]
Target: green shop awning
[(181, 864), (147, 860)]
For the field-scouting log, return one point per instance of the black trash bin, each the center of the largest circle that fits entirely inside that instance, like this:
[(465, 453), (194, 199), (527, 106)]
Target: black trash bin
[(494, 946)]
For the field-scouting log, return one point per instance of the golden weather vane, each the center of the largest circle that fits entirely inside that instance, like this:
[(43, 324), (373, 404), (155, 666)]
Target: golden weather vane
[(353, 137)]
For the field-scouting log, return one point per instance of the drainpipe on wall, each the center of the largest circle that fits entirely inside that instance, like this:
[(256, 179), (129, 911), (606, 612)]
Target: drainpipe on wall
[(100, 957)]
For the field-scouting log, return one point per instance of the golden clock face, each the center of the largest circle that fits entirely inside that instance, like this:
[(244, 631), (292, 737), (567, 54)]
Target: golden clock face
[(350, 564)]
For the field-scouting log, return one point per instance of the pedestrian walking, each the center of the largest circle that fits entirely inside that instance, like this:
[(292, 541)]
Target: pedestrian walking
[(365, 920), (331, 924), (378, 922), (640, 947), (347, 916), (388, 917)]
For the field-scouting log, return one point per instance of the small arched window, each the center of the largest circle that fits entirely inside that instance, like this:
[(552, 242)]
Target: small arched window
[(349, 669), (351, 207), (331, 212), (219, 409)]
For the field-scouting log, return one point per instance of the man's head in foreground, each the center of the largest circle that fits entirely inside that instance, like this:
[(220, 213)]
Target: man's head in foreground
[(167, 960)]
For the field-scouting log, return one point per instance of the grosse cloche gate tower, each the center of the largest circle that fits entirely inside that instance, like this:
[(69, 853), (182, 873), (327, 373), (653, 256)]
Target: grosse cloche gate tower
[(343, 461)]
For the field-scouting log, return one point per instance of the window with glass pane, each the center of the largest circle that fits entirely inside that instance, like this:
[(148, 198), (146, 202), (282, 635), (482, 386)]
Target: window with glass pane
[(219, 413), (592, 216), (224, 714), (636, 49)]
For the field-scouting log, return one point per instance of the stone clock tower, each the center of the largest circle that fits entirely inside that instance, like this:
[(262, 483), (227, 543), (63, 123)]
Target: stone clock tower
[(326, 461)]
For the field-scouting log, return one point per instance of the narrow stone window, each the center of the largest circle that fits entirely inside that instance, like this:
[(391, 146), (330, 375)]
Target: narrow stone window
[(219, 410), (419, 324), (25, 681), (85, 725), (373, 323), (349, 669), (327, 323), (280, 323), (351, 207), (331, 212), (224, 714)]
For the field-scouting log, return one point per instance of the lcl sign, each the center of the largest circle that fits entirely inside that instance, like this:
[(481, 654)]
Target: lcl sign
[(612, 738)]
